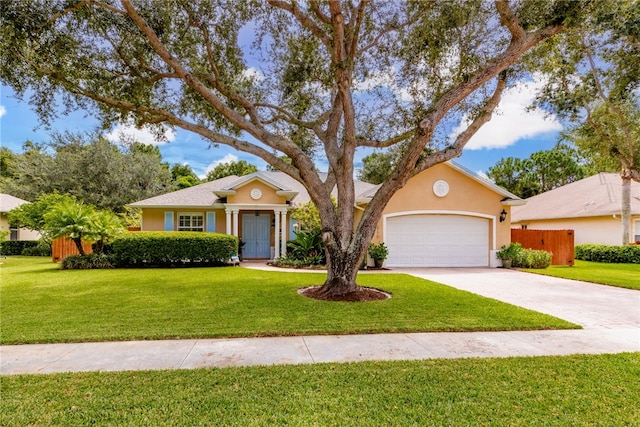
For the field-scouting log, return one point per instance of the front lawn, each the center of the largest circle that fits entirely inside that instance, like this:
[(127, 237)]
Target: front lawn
[(41, 304), (621, 275), (550, 391)]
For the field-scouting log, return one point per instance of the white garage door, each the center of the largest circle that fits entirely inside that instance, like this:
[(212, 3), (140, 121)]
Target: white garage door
[(437, 241)]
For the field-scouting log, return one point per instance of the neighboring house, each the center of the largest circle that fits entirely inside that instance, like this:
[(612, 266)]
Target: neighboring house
[(445, 216), (591, 207), (7, 203)]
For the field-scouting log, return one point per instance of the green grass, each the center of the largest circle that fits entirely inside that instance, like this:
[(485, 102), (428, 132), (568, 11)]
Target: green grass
[(582, 390), (41, 304), (621, 275)]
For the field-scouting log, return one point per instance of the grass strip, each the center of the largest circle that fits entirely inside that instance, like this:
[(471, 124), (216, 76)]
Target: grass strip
[(551, 391), (620, 275), (41, 304)]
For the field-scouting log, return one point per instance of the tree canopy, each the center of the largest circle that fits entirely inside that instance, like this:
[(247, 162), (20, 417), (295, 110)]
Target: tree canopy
[(592, 75), (31, 215), (239, 168), (541, 172), (90, 168), (184, 176), (280, 78), (376, 167)]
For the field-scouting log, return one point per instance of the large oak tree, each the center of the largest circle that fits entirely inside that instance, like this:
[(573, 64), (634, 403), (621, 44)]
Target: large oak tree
[(286, 79)]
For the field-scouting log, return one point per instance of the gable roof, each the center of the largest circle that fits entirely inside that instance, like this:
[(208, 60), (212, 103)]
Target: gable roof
[(597, 195), (201, 195), (211, 194), (9, 202), (281, 190)]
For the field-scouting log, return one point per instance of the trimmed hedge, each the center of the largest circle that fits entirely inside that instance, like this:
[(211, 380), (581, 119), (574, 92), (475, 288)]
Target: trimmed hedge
[(172, 249), (25, 247), (628, 254)]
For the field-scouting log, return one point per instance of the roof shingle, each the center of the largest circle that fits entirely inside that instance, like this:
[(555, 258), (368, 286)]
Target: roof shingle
[(597, 195)]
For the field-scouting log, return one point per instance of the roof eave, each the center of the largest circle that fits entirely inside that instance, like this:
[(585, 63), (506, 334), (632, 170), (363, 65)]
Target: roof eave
[(513, 202), (183, 207), (224, 193), (289, 195)]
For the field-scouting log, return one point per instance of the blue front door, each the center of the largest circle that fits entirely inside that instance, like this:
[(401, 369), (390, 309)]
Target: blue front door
[(256, 235)]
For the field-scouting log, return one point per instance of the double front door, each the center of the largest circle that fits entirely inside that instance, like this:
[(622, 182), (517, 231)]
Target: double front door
[(256, 235)]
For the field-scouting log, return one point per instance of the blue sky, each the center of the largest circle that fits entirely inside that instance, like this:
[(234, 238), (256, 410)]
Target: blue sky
[(512, 132)]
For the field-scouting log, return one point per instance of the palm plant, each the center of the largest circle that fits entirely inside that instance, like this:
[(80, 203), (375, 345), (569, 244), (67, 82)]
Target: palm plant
[(105, 225), (73, 220)]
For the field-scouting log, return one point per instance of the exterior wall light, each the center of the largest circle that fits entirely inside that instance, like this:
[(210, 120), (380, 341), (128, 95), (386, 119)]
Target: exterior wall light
[(503, 215)]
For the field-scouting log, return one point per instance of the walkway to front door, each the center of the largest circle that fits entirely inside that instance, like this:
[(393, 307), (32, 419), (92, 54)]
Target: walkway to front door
[(256, 235)]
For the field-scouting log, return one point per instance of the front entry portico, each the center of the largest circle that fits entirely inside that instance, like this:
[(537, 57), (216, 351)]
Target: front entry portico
[(263, 230)]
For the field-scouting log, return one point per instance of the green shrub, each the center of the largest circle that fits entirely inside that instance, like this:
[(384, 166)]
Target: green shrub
[(25, 247), (510, 252), (524, 258), (170, 249), (86, 262), (627, 254), (379, 251), (531, 258), (306, 249), (41, 249)]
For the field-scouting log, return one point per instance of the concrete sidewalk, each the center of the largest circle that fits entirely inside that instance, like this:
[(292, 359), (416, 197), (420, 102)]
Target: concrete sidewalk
[(610, 317)]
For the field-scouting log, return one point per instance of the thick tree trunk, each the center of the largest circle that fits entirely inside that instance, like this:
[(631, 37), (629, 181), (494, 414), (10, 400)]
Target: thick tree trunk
[(342, 270), (626, 206)]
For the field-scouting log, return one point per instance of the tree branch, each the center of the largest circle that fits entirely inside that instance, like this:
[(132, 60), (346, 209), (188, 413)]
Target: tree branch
[(455, 150), (82, 4), (393, 28), (304, 19), (510, 20), (387, 143), (315, 7)]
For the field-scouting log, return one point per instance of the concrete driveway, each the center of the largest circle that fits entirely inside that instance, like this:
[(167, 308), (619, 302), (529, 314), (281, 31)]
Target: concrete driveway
[(587, 304)]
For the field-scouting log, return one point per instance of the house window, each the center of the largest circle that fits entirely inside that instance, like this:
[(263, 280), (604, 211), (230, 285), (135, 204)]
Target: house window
[(636, 234), (190, 222)]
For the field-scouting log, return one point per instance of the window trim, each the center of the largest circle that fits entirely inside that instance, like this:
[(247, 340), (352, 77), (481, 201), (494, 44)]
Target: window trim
[(191, 216)]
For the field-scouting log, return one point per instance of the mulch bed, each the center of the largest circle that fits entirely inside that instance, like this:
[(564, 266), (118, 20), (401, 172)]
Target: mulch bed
[(361, 295)]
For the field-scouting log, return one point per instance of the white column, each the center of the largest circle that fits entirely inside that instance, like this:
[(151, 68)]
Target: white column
[(228, 212), (276, 236), (285, 234), (235, 222)]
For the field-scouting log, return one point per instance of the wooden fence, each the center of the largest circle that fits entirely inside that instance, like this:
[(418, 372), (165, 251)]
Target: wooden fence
[(558, 242), (63, 247)]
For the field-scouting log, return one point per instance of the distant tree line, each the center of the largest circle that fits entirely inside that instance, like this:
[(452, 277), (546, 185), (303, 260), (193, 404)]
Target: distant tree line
[(98, 172)]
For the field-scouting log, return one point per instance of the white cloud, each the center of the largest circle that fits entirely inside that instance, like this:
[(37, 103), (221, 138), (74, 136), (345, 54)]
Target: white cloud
[(226, 159), (511, 121), (384, 78), (252, 74), (128, 132), (3, 110)]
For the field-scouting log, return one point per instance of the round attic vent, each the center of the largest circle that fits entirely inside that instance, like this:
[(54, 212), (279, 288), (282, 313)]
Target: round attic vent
[(256, 193), (441, 188)]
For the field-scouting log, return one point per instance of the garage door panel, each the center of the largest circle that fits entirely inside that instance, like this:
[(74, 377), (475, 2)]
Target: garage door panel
[(437, 241)]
